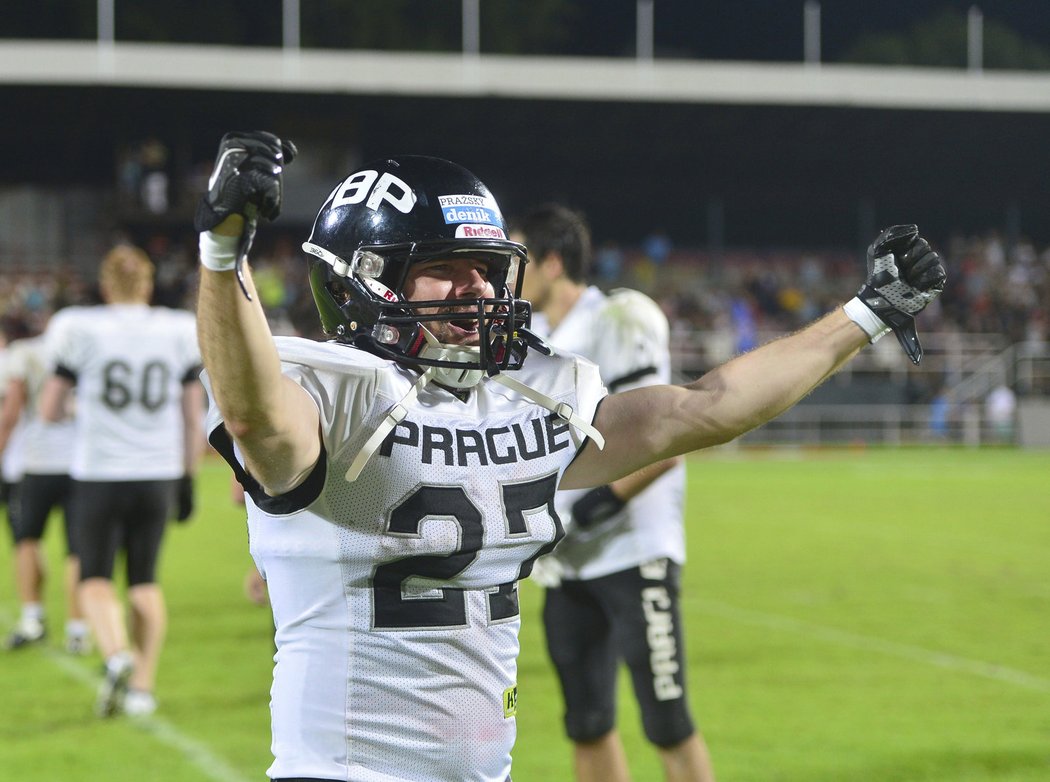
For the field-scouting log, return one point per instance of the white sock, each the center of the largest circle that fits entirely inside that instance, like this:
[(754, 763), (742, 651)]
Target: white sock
[(33, 612), (76, 628), (118, 661)]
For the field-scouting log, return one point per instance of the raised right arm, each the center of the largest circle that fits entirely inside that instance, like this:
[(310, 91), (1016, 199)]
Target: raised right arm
[(271, 418)]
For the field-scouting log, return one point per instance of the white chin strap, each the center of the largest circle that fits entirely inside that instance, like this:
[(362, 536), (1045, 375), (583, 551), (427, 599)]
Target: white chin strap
[(393, 418), (564, 411), (451, 376)]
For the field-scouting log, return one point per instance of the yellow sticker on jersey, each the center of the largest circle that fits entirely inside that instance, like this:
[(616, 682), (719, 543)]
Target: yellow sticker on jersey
[(510, 701)]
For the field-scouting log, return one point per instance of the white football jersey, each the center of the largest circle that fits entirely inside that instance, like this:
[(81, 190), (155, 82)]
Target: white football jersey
[(395, 595), (46, 447), (11, 461), (626, 334), (129, 363)]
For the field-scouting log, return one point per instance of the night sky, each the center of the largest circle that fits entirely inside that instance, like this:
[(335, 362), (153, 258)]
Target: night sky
[(764, 30), (707, 29)]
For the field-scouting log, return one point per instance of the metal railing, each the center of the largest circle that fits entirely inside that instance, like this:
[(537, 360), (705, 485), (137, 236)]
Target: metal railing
[(870, 400)]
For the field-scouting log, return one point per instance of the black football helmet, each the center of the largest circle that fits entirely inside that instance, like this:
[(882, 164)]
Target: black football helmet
[(394, 213)]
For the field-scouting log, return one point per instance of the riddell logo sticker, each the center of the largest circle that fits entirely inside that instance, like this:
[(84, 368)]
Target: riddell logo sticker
[(479, 232), (469, 209)]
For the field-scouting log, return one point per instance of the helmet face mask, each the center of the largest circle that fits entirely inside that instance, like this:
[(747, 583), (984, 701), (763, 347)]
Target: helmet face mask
[(385, 219)]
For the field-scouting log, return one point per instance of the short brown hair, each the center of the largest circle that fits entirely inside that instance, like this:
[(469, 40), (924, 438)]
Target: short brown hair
[(555, 228), (126, 275)]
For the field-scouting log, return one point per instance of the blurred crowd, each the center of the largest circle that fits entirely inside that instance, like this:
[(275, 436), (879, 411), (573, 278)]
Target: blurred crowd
[(737, 296), (744, 293)]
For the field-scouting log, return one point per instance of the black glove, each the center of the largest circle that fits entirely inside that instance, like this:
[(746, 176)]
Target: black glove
[(246, 179), (184, 500), (596, 506), (904, 275)]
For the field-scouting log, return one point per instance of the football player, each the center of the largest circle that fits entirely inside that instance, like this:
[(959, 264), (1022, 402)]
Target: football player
[(138, 426), (45, 485), (400, 478), (615, 592)]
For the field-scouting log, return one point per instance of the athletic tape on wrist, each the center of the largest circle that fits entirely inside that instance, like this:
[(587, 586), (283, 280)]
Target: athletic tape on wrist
[(857, 311), (218, 253)]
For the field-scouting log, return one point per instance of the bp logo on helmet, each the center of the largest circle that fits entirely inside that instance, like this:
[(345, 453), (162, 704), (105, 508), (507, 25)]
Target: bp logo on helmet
[(364, 185)]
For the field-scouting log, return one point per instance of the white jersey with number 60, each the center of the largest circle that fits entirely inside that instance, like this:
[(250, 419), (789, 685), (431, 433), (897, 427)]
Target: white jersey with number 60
[(129, 363)]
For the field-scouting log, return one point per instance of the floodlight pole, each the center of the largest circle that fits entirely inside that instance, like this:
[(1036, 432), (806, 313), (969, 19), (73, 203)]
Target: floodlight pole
[(290, 24), (644, 32), (106, 21), (811, 32), (107, 26), (975, 39), (471, 28)]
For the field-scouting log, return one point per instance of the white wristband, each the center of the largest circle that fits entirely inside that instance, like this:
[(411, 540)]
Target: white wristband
[(218, 253), (872, 324)]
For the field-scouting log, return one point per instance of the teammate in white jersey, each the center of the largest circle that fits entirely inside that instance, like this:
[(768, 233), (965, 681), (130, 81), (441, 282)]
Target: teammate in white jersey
[(615, 593), (138, 437), (401, 477), (44, 485), (11, 460)]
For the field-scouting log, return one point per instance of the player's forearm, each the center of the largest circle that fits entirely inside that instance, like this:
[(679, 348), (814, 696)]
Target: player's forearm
[(755, 387), (238, 351), (649, 424)]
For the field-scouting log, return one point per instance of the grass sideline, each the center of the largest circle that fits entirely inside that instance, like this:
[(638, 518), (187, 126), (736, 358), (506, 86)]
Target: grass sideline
[(856, 614)]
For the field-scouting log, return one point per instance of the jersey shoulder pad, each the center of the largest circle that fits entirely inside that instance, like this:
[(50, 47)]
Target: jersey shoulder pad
[(629, 311), (331, 356)]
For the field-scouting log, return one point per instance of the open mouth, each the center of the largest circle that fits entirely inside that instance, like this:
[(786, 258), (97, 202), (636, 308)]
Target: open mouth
[(465, 325), (462, 320)]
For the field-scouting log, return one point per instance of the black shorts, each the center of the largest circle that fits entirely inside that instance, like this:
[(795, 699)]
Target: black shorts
[(632, 616), (32, 500), (114, 516), (13, 507)]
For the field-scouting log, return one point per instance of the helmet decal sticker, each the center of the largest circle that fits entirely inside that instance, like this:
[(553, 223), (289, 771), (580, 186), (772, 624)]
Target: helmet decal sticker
[(389, 188), (470, 209), (380, 290), (469, 231)]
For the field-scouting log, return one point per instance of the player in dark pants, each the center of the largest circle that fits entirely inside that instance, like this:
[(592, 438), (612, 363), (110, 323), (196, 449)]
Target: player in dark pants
[(631, 616), (619, 565), (137, 439), (30, 505), (42, 450), (122, 515)]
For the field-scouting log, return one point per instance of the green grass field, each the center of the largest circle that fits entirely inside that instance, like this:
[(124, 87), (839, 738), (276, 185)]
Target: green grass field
[(852, 615)]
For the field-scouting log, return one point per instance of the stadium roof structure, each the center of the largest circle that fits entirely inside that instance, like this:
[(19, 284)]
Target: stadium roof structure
[(199, 67)]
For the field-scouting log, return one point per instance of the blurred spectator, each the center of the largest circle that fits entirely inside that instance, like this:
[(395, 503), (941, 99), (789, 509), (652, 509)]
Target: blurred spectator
[(743, 314), (608, 263), (142, 175), (1000, 408), (941, 415), (154, 188), (657, 246)]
